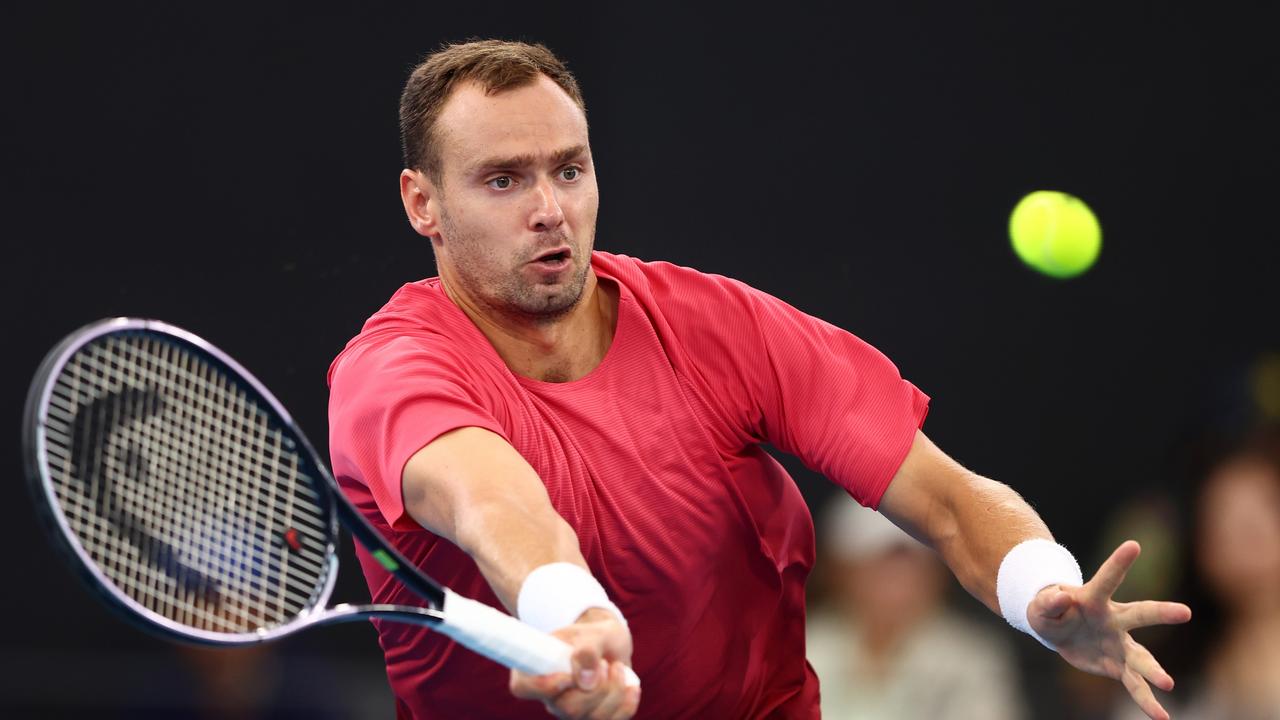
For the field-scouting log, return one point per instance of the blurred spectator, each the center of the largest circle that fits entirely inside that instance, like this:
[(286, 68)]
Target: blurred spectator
[(884, 646), (232, 684), (257, 682), (1236, 531)]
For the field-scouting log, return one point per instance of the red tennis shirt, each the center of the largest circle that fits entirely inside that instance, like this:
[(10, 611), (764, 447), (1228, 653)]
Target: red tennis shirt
[(654, 458)]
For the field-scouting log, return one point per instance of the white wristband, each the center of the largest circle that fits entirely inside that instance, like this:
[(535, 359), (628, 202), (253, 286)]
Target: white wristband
[(555, 594), (1028, 568)]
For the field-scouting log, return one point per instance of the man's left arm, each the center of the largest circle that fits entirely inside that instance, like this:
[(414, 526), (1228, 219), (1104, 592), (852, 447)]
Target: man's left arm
[(973, 522)]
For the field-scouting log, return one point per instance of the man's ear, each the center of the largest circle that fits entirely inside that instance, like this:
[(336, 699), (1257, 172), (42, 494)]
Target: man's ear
[(421, 202)]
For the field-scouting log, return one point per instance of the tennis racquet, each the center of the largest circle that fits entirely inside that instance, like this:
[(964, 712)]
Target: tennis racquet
[(191, 502)]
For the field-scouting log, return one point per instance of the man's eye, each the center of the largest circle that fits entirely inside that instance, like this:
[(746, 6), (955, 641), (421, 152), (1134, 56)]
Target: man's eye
[(500, 183), (570, 173)]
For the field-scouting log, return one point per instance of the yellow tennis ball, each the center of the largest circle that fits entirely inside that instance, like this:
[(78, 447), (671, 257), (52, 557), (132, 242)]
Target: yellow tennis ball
[(1055, 233)]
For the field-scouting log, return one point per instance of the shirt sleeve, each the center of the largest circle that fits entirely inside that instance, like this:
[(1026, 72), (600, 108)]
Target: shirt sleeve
[(806, 386), (389, 400)]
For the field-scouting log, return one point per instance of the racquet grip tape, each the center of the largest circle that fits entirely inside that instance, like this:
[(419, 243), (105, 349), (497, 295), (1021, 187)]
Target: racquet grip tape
[(502, 638)]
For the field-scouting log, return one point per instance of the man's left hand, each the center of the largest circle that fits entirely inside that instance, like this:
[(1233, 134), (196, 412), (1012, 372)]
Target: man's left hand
[(1091, 631)]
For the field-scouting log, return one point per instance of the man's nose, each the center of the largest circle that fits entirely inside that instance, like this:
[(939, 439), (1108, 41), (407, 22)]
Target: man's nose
[(548, 215)]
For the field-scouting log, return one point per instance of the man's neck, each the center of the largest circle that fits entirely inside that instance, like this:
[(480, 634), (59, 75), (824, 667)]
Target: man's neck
[(560, 350)]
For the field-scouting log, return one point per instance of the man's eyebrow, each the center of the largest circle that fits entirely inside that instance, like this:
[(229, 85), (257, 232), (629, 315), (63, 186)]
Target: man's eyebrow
[(526, 159)]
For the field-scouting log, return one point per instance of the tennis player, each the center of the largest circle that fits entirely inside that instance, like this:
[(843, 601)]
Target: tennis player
[(575, 436)]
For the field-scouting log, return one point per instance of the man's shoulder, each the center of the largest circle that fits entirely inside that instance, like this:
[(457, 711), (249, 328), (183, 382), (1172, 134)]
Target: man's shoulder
[(419, 305), (418, 320), (665, 282)]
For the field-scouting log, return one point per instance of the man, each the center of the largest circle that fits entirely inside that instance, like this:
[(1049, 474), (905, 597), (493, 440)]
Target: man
[(575, 436)]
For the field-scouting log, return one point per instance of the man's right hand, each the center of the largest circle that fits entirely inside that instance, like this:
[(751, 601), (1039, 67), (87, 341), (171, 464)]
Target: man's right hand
[(596, 689)]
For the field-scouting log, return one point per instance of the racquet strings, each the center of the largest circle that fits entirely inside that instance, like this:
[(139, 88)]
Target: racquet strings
[(189, 496)]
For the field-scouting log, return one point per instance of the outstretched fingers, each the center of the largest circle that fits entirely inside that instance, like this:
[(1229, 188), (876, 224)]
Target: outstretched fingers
[(1139, 658), (1107, 580), (1141, 694), (1146, 613)]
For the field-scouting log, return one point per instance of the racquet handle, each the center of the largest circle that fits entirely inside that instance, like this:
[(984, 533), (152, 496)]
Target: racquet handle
[(502, 638)]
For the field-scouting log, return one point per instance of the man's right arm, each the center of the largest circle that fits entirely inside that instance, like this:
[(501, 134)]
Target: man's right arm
[(471, 487)]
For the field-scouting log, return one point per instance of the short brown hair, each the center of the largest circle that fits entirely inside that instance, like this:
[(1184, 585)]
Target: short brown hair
[(496, 65)]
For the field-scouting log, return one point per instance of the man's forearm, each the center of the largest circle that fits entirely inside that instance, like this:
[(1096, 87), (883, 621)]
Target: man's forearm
[(508, 542), (970, 520), (987, 519), (472, 488)]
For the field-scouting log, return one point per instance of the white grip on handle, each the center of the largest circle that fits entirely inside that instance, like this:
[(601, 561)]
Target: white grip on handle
[(504, 639)]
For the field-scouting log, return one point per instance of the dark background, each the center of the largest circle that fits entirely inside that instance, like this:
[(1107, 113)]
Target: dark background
[(234, 172)]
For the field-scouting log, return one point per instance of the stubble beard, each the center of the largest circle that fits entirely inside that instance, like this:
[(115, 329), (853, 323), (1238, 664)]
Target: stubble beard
[(499, 282)]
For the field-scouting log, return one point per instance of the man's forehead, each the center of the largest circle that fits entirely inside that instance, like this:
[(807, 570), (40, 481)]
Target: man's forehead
[(536, 118)]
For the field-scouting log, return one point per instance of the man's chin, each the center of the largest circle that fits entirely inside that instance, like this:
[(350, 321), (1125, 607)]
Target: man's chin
[(560, 304), (552, 301), (552, 295)]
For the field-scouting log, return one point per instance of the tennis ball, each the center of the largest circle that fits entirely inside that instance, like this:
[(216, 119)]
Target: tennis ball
[(1055, 233)]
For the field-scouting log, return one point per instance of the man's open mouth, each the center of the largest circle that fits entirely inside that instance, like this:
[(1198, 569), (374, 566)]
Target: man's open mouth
[(554, 257)]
